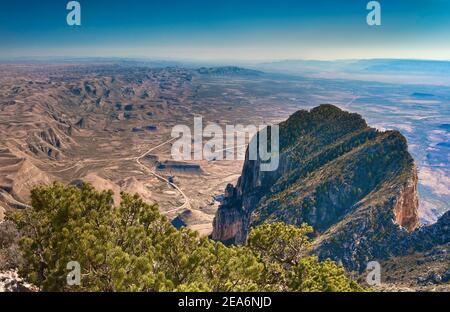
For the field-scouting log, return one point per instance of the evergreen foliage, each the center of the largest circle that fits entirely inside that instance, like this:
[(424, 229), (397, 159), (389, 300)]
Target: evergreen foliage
[(133, 247)]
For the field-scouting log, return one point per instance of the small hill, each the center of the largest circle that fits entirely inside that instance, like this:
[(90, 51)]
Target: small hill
[(133, 186), (17, 177), (100, 184)]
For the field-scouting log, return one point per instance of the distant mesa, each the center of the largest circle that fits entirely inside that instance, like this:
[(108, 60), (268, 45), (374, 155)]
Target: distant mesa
[(178, 166), (422, 95), (228, 71), (148, 128)]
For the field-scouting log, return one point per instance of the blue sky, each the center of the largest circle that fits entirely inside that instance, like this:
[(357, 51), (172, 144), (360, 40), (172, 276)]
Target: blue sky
[(228, 29)]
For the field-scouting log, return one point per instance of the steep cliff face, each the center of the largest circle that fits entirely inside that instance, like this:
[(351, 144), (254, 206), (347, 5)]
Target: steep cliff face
[(405, 209), (230, 221), (355, 185)]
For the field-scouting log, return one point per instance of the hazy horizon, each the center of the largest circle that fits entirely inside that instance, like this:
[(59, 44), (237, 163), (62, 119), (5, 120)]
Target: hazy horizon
[(201, 30), (218, 60)]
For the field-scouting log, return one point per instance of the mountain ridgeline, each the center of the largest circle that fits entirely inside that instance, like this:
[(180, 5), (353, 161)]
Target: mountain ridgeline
[(355, 185)]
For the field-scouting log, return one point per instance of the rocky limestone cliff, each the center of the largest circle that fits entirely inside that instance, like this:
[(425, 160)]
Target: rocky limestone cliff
[(230, 223), (405, 209), (355, 185)]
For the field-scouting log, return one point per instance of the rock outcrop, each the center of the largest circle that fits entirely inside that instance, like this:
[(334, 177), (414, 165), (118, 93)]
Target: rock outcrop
[(427, 237), (355, 185), (230, 223), (11, 282), (405, 209)]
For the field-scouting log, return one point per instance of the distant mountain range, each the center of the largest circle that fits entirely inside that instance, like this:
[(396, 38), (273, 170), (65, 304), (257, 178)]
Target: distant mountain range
[(382, 70)]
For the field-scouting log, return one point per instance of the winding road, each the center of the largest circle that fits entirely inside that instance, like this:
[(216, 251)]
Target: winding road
[(186, 203), (138, 159)]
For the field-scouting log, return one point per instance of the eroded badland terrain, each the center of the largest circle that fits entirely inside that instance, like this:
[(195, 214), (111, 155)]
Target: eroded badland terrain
[(110, 125)]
